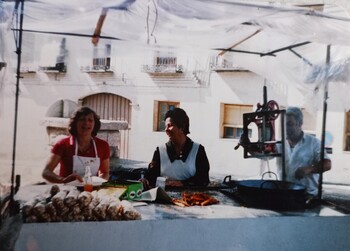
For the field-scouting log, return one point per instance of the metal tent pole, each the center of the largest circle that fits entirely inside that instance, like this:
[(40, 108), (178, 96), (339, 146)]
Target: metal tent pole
[(14, 208), (323, 139)]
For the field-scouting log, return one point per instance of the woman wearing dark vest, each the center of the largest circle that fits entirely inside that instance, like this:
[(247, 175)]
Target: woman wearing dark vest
[(180, 160)]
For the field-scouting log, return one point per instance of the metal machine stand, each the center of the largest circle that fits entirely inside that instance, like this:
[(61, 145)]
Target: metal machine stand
[(266, 146)]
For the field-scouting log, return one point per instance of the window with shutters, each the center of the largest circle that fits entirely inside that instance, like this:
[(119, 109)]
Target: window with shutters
[(347, 132), (232, 120), (102, 58), (160, 108)]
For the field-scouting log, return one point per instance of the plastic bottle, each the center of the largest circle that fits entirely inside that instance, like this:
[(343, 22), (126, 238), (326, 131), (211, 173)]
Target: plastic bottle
[(88, 180)]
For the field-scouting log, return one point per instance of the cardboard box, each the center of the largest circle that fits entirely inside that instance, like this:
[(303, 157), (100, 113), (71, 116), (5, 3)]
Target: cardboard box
[(133, 188)]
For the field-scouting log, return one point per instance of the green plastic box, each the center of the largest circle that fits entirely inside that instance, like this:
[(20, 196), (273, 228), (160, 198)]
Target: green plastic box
[(133, 188)]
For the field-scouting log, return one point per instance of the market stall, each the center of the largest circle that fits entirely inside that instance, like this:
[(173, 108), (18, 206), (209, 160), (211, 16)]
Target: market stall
[(225, 225)]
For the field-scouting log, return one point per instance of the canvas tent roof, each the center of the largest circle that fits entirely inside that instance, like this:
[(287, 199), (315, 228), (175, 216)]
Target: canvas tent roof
[(247, 32), (184, 23), (250, 30)]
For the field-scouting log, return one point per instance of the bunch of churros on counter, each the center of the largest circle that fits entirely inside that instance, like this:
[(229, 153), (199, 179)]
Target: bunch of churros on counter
[(72, 205)]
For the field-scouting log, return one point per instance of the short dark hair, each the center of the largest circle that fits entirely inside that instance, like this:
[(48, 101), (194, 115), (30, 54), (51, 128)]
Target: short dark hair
[(80, 112), (179, 118), (296, 113)]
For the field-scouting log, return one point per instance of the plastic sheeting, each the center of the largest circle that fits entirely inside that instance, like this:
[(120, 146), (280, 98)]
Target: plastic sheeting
[(208, 24), (338, 71), (252, 30), (260, 37), (182, 23)]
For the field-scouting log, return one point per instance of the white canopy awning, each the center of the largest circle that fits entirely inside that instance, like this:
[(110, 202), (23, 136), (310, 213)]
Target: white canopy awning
[(282, 42)]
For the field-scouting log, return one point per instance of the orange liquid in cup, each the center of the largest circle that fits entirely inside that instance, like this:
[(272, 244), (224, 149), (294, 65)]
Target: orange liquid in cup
[(88, 187)]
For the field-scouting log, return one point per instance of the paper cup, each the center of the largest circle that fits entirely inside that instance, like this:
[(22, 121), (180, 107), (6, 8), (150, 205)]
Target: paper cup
[(161, 182)]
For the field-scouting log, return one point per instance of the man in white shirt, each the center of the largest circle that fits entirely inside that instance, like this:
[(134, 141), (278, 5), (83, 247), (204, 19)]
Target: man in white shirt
[(302, 154)]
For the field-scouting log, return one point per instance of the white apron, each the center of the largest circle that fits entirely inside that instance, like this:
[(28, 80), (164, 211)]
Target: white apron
[(178, 170), (80, 162)]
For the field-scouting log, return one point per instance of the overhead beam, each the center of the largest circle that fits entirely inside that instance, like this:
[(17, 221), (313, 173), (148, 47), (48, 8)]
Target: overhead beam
[(67, 34), (262, 54), (299, 56), (238, 43), (285, 48), (240, 51)]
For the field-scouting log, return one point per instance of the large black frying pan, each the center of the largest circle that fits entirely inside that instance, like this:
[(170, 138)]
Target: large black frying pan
[(270, 194)]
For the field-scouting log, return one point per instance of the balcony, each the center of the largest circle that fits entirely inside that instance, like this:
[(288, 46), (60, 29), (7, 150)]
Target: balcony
[(226, 66), (163, 68), (59, 67)]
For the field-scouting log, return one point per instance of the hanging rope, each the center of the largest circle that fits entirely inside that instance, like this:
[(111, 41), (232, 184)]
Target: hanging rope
[(148, 22), (155, 21)]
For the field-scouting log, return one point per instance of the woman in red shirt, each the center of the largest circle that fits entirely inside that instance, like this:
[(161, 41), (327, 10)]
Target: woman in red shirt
[(82, 148)]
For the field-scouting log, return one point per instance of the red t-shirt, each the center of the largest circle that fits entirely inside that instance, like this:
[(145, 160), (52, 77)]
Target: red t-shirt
[(66, 149)]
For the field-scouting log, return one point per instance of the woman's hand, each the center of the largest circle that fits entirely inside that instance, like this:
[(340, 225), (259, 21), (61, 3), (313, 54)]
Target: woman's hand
[(145, 183), (174, 183), (301, 172), (72, 177)]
